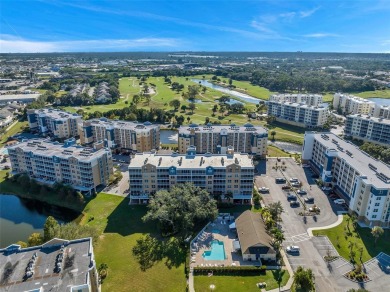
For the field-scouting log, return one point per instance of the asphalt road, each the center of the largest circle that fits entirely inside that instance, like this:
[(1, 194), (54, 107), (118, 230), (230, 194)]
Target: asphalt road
[(292, 223)]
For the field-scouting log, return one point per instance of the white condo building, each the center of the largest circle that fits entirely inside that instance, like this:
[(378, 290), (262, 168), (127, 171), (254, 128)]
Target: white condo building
[(309, 99), (54, 122), (368, 128), (364, 182), (217, 138), (298, 114)]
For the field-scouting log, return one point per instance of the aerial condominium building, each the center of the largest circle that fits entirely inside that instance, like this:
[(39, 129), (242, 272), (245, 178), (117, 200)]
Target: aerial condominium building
[(57, 265), (361, 180), (82, 168), (380, 111), (219, 174), (140, 137), (350, 104), (309, 99), (298, 114), (217, 138), (53, 122), (367, 128)]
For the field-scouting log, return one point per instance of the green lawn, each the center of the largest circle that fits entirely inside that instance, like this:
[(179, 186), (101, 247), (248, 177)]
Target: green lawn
[(18, 127), (375, 93), (327, 97), (239, 283), (128, 86), (361, 236), (244, 86), (276, 152), (121, 226), (286, 133)]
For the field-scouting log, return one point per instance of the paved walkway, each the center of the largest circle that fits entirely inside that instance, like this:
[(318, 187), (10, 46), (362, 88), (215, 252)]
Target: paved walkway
[(338, 222)]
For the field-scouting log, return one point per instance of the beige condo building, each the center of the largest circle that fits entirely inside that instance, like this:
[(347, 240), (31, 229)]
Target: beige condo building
[(125, 135), (50, 162), (219, 174)]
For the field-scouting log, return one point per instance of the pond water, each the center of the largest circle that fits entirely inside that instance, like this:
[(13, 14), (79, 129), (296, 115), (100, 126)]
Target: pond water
[(380, 101), (21, 217), (286, 146), (168, 137), (239, 95)]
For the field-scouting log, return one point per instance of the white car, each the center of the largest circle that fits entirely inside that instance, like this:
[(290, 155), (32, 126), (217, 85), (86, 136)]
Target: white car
[(263, 190), (293, 179), (326, 188), (292, 248), (305, 165), (339, 201)]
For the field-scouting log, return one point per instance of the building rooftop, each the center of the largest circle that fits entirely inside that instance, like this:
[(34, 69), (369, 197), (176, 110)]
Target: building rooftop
[(56, 114), (252, 234), (218, 128), (300, 105), (377, 172), (370, 118), (67, 150), (194, 161), (16, 97), (122, 124), (47, 271), (295, 95), (355, 98)]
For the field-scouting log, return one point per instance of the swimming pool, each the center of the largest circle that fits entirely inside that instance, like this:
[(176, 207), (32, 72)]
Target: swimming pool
[(217, 252)]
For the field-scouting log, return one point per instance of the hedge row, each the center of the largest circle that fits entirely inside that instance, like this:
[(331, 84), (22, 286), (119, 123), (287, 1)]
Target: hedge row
[(222, 271)]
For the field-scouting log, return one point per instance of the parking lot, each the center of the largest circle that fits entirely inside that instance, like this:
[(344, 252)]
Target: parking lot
[(293, 225), (292, 170)]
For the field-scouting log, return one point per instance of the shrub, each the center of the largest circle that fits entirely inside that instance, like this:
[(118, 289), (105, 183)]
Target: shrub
[(226, 271)]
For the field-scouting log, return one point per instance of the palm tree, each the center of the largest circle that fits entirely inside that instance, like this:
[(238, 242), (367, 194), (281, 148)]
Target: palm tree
[(273, 133), (304, 279), (354, 220), (229, 196), (348, 220), (377, 231)]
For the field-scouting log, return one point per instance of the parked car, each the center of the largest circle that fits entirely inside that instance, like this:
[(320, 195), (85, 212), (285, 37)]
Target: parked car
[(326, 188), (339, 201), (294, 204), (296, 184), (302, 192), (293, 179), (293, 249), (315, 209), (263, 190), (305, 165), (309, 200), (280, 180), (291, 197), (286, 187)]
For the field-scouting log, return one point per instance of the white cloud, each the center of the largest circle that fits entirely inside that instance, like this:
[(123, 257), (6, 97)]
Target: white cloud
[(320, 35), (308, 13), (12, 44)]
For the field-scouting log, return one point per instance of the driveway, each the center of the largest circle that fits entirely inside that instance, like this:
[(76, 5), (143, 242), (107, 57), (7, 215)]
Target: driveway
[(294, 228)]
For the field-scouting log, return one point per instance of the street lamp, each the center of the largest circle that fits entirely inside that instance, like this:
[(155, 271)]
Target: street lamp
[(212, 287)]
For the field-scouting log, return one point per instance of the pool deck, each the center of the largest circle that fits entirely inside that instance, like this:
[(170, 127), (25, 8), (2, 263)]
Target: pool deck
[(225, 235)]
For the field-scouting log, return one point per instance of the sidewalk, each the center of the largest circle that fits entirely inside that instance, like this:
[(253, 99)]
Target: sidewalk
[(338, 222)]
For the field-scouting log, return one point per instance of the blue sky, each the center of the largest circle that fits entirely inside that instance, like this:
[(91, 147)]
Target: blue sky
[(309, 26)]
